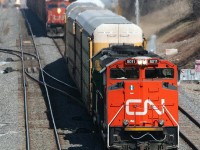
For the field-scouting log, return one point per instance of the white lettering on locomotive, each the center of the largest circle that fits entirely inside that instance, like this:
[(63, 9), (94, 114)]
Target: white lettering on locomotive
[(153, 61), (130, 61), (146, 102)]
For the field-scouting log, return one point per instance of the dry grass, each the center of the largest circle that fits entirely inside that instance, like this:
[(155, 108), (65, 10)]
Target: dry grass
[(154, 22), (186, 38), (175, 27)]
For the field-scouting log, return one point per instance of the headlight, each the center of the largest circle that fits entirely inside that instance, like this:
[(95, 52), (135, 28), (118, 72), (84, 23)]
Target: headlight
[(161, 123), (139, 62), (125, 122), (58, 10), (142, 62)]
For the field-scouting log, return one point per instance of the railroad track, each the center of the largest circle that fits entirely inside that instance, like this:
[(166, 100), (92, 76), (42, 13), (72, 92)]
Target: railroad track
[(67, 110), (60, 44), (189, 129), (38, 116)]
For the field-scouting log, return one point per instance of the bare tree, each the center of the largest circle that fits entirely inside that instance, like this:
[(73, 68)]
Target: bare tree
[(196, 7)]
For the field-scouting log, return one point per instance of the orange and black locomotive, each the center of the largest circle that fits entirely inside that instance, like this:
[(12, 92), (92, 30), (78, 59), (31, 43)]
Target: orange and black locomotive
[(52, 14), (131, 93), (135, 98)]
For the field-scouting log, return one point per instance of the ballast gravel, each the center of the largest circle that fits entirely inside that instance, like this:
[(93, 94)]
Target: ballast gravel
[(9, 133)]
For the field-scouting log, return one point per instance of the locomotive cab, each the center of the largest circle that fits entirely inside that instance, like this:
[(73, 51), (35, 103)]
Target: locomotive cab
[(55, 17), (135, 99)]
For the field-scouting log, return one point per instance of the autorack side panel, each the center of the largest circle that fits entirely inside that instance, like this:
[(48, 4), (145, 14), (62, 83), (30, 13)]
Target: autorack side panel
[(78, 5), (77, 72), (74, 10), (70, 46), (94, 30), (78, 31), (88, 23), (78, 56), (86, 85), (72, 13), (82, 62)]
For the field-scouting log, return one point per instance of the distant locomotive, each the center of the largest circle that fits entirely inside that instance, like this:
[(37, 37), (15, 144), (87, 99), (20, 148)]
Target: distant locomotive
[(17, 3), (51, 13), (131, 93)]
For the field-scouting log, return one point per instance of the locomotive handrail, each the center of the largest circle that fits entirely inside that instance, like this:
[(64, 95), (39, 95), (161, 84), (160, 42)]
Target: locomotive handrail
[(173, 120), (149, 135), (111, 122)]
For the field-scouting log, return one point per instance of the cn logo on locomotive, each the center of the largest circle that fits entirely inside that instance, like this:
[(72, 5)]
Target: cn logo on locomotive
[(146, 102)]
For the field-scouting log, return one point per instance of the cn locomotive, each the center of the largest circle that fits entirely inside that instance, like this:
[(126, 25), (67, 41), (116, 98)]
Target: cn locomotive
[(51, 13), (131, 93)]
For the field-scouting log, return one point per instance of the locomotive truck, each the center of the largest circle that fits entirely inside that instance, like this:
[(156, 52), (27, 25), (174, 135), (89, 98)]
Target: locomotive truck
[(131, 93)]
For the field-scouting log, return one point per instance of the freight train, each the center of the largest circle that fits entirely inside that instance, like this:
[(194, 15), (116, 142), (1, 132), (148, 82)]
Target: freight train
[(51, 13), (131, 93), (17, 3)]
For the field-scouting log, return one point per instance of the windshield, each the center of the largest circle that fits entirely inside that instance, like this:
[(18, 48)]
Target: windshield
[(124, 73), (159, 73), (50, 6)]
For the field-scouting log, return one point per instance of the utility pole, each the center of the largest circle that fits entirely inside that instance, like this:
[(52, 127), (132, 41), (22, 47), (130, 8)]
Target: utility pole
[(119, 7)]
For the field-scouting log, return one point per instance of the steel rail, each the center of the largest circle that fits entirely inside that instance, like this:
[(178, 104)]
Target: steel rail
[(182, 135), (61, 82), (190, 143), (45, 85), (13, 52), (25, 96), (16, 51), (189, 116), (24, 91), (73, 99), (58, 47)]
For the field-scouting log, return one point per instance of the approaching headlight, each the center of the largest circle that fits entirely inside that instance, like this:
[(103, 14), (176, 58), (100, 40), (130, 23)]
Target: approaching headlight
[(58, 10), (125, 122)]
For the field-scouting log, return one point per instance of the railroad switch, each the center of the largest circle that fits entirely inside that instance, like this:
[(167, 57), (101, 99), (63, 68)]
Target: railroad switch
[(32, 70)]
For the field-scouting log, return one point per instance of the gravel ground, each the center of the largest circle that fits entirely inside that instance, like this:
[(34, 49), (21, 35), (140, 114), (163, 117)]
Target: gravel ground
[(9, 111), (189, 100), (9, 134), (189, 96), (183, 145)]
